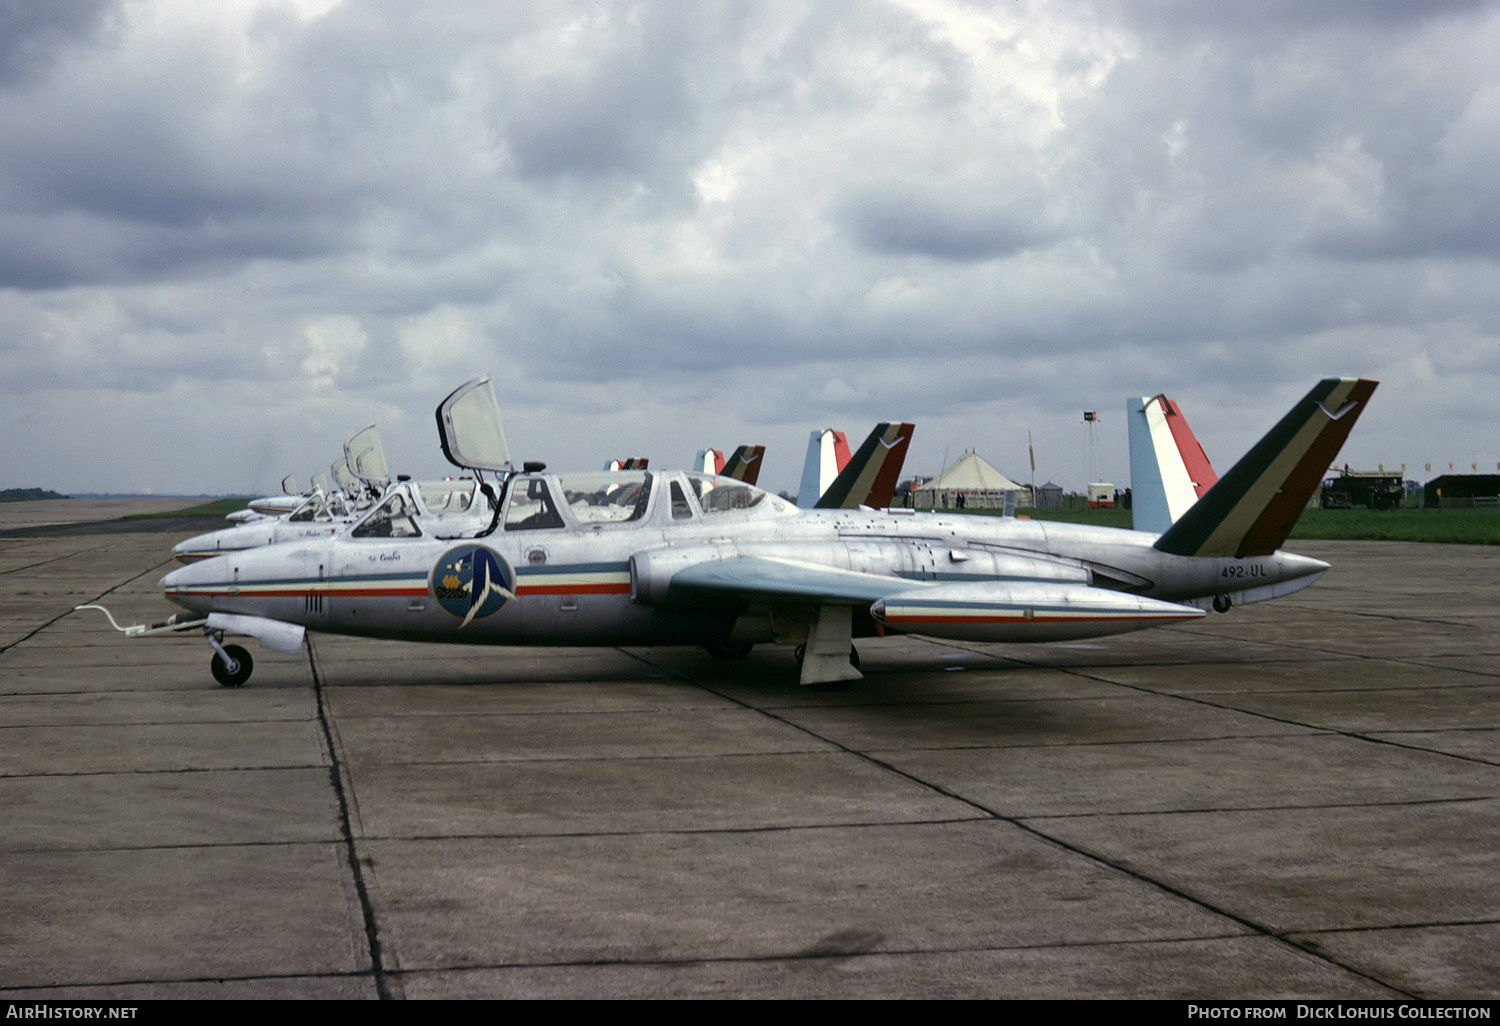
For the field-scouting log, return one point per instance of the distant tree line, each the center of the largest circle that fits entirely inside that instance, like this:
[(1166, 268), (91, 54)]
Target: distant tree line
[(25, 494)]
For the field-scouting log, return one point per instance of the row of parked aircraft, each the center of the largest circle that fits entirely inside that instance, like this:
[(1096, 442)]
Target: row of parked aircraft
[(645, 557), (868, 479)]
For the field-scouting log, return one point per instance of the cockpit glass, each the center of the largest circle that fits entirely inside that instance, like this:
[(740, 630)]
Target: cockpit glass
[(393, 518), (681, 508), (447, 496), (608, 497), (314, 510), (725, 495), (530, 506)]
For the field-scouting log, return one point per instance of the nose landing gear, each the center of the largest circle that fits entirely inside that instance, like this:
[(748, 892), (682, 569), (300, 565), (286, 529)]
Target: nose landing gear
[(231, 664)]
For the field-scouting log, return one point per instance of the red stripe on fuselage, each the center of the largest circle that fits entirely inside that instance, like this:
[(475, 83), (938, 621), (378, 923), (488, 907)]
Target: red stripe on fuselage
[(1022, 619), (622, 588), (304, 592)]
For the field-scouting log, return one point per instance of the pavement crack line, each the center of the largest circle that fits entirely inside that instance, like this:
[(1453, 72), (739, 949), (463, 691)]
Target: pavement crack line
[(385, 986), (1334, 654), (98, 598), (1353, 735), (801, 956), (12, 571), (1260, 929)]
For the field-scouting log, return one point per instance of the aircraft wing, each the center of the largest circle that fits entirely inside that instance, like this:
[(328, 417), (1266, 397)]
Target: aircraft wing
[(746, 577), (977, 610)]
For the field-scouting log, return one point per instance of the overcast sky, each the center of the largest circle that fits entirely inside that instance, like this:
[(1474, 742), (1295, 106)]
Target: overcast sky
[(236, 232)]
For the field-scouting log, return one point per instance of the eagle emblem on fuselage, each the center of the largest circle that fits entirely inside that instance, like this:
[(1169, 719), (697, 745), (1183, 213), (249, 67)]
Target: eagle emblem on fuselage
[(472, 582)]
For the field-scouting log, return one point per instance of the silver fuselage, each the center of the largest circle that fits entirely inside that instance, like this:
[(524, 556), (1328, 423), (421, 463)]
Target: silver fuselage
[(587, 583)]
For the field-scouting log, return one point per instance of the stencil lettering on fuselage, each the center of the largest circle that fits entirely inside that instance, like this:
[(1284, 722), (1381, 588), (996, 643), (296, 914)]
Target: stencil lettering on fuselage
[(472, 582)]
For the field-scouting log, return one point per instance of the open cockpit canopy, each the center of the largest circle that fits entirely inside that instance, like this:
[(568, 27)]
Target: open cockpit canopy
[(344, 477), (366, 458), (470, 429)]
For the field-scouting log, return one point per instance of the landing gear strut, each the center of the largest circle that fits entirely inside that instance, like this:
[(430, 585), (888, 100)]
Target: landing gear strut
[(231, 664)]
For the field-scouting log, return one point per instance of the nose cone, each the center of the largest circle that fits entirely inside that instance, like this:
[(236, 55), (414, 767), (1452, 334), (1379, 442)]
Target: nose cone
[(262, 581), (186, 584), (228, 539), (198, 547), (1295, 567)]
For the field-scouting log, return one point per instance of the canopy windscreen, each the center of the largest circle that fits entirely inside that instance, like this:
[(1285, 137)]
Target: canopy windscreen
[(470, 429), (366, 457)]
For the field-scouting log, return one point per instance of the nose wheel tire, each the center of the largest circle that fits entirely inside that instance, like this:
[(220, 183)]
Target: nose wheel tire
[(1222, 603), (232, 677)]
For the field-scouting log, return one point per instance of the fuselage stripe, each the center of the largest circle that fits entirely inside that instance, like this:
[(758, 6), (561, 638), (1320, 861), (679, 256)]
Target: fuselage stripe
[(613, 588), (578, 579), (1022, 618)]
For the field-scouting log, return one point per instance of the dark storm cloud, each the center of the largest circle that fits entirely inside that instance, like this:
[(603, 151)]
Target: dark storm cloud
[(117, 176), (1280, 17), (612, 115), (31, 34), (959, 228), (659, 219)]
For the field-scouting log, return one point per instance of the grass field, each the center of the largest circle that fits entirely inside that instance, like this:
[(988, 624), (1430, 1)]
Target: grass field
[(217, 508), (1456, 526), (1459, 526)]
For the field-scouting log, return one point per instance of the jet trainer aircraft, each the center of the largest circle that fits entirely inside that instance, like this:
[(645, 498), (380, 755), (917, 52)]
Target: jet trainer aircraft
[(270, 506), (362, 476), (681, 558)]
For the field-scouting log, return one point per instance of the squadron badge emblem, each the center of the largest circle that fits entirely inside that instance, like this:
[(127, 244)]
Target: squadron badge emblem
[(472, 582)]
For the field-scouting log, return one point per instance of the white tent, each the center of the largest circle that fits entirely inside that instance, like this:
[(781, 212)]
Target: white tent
[(969, 483)]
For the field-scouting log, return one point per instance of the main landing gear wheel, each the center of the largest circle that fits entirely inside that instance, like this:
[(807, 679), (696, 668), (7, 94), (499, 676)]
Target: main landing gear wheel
[(232, 677), (1222, 603)]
